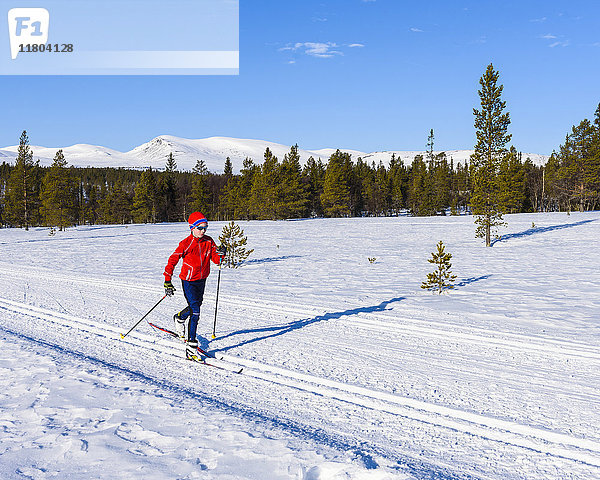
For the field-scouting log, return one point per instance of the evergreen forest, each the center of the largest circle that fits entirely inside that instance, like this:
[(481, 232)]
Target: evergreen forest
[(62, 196)]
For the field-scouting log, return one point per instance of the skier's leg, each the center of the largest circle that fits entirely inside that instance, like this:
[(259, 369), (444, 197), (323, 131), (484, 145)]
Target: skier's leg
[(179, 319), (195, 295)]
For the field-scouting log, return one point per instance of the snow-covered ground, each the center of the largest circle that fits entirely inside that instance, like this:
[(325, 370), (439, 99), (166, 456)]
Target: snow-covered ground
[(351, 370)]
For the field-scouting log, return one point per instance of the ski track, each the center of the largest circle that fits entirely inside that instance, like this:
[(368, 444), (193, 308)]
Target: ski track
[(523, 436), (408, 323), (407, 326), (392, 324)]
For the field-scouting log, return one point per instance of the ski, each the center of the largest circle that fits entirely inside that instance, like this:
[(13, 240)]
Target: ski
[(173, 334), (202, 361), (200, 350), (170, 332)]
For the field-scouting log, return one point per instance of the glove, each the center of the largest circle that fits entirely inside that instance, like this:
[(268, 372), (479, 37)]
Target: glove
[(222, 250), (169, 288)]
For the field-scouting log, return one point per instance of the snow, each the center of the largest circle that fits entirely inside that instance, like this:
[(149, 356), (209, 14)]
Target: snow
[(350, 369), (213, 150)]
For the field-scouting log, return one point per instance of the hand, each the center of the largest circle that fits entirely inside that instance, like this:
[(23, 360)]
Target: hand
[(222, 250), (169, 289)]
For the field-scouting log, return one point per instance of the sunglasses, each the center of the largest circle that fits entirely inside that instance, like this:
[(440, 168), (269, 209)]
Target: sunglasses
[(202, 228)]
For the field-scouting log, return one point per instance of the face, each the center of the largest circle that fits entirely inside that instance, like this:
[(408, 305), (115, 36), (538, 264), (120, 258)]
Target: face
[(199, 232)]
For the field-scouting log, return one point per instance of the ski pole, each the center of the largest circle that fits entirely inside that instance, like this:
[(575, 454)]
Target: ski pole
[(138, 322), (217, 300)]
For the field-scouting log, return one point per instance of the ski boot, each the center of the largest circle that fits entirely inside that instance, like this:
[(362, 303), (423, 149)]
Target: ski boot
[(191, 351), (179, 325)]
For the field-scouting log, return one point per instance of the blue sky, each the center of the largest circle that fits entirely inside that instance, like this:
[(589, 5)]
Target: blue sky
[(366, 75)]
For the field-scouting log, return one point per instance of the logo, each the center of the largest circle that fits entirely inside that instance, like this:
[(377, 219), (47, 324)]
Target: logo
[(27, 26)]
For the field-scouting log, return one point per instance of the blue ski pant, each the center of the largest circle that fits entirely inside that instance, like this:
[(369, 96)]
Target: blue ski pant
[(194, 294)]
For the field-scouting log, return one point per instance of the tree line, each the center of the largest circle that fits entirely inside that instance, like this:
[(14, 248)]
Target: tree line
[(572, 174), (62, 196)]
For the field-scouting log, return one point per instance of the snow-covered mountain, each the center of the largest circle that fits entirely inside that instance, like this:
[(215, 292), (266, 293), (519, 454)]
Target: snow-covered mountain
[(213, 150)]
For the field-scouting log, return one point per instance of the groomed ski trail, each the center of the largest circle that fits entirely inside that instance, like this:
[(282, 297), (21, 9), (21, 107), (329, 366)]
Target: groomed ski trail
[(384, 322), (523, 436)]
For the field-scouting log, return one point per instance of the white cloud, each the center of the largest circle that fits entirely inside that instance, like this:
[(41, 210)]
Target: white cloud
[(556, 40), (319, 49), (413, 29), (315, 49), (539, 20)]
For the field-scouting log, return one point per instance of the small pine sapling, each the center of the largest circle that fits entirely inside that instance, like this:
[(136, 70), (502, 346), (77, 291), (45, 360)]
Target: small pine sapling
[(233, 238), (442, 277)]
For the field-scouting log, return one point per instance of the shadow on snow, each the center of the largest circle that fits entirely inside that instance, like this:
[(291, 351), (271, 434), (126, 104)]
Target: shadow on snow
[(271, 259), (467, 281), (277, 330), (534, 230)]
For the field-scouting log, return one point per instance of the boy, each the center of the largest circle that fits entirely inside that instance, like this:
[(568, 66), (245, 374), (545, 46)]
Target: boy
[(197, 250)]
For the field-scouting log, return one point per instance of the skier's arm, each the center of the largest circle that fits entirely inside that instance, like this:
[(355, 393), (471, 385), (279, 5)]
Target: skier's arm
[(172, 261)]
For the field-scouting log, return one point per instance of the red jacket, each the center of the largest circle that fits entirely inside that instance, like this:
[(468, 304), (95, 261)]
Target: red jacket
[(197, 254)]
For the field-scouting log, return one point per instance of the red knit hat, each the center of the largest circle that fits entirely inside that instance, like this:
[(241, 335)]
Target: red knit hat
[(196, 219)]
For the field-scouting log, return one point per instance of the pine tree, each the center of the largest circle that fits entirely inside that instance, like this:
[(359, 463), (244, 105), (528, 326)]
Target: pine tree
[(239, 195), (167, 189), (233, 238), (22, 189), (430, 143), (533, 179), (336, 197), (462, 188), (593, 177), (116, 205), (364, 177), (578, 173), (491, 124), (573, 173), (511, 182), (228, 170), (441, 278), (430, 205), (398, 175), (227, 200), (171, 165), (440, 184), (59, 194), (200, 191), (382, 192), (266, 189), (3, 179), (90, 206), (145, 198), (293, 199), (314, 176), (419, 193)]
